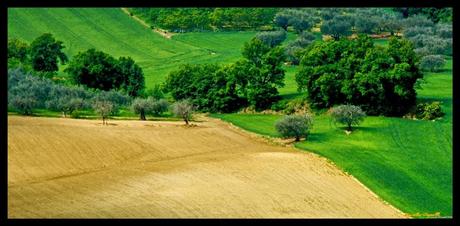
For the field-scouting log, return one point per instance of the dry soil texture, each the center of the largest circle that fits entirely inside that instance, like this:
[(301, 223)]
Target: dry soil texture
[(67, 168)]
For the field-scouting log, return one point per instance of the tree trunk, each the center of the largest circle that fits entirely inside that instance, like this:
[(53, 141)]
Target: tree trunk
[(65, 116), (349, 127), (142, 115), (297, 138), (186, 121)]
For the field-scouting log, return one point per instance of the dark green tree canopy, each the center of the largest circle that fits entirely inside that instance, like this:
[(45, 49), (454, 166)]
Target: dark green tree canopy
[(132, 77), (379, 79), (96, 69), (17, 49), (45, 51), (208, 86)]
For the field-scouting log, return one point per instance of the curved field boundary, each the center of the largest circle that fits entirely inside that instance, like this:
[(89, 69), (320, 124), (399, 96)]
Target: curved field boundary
[(132, 169)]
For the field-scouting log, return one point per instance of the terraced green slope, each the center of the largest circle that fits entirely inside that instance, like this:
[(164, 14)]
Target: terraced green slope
[(114, 32)]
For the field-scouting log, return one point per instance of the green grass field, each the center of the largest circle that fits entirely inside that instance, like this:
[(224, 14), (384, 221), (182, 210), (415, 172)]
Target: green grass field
[(406, 162), (114, 32)]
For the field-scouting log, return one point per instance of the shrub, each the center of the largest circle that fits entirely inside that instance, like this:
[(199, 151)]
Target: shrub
[(183, 109), (18, 50), (432, 63), (297, 126), (104, 109), (297, 106), (159, 106), (429, 111), (279, 105), (347, 115)]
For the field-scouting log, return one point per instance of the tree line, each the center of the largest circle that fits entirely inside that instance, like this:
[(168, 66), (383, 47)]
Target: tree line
[(91, 68), (207, 19)]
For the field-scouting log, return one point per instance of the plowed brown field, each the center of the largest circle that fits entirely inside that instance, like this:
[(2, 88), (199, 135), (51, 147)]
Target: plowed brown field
[(68, 168)]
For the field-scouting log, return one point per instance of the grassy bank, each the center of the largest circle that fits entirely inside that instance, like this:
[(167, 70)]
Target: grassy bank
[(406, 162)]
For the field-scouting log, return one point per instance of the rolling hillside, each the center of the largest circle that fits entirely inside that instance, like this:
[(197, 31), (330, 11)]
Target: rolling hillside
[(406, 162), (135, 169), (113, 31)]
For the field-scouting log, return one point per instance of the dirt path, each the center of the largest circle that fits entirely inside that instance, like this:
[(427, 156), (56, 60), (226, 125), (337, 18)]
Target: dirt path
[(162, 32), (78, 168)]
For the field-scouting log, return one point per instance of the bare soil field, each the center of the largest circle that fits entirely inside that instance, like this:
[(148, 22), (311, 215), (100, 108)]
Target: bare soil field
[(68, 168)]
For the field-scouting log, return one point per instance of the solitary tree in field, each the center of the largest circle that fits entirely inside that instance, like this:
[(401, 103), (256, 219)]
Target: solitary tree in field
[(104, 109), (348, 115), (183, 109), (297, 126)]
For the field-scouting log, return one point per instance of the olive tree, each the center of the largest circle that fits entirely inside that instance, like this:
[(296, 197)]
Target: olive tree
[(104, 109), (297, 126), (65, 104), (141, 106), (183, 109), (159, 106), (336, 28), (348, 115), (366, 25), (432, 62), (272, 38), (282, 20), (24, 104)]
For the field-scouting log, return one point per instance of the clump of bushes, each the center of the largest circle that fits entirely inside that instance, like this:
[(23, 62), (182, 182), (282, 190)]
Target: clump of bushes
[(297, 106), (429, 111), (348, 115), (272, 38), (23, 104), (296, 126), (379, 79), (432, 63), (27, 92), (159, 107)]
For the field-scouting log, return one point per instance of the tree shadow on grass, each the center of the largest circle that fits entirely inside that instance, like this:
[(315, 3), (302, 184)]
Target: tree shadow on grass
[(317, 137)]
